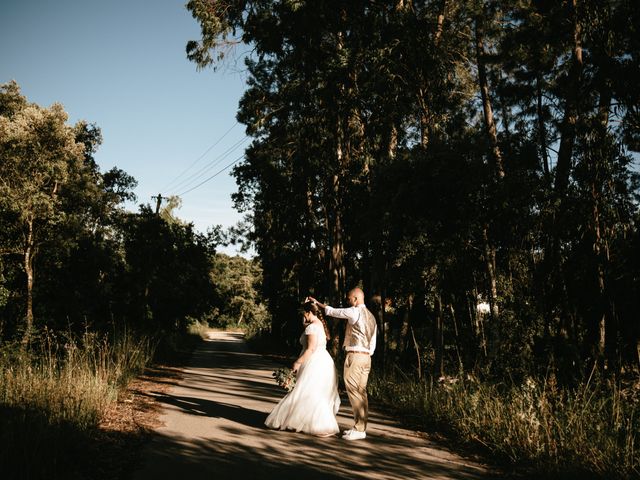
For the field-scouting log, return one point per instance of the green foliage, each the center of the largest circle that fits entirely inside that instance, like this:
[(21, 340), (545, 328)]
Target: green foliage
[(99, 269), (38, 149), (437, 153), (97, 266), (38, 152), (239, 301), (167, 272)]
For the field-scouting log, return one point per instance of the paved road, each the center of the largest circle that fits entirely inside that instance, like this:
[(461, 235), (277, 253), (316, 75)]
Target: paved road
[(213, 428)]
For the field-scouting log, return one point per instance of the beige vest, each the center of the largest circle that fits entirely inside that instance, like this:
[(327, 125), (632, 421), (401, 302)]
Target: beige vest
[(360, 333)]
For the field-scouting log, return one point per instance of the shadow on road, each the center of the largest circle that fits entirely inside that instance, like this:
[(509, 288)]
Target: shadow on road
[(285, 455), (210, 408), (215, 429)]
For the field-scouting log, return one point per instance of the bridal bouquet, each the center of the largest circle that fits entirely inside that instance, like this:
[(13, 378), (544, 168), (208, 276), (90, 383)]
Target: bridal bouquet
[(285, 377)]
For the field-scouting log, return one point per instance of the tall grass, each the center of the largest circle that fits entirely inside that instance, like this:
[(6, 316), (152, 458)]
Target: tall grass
[(53, 396), (537, 426)]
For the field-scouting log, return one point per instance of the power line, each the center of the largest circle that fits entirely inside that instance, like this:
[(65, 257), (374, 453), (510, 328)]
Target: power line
[(199, 158), (214, 175), (197, 175), (203, 170)]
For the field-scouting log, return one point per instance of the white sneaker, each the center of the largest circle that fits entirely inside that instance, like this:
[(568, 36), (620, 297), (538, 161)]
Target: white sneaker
[(354, 435)]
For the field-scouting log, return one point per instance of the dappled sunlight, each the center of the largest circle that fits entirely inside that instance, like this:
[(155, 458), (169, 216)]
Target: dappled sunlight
[(289, 455), (214, 425)]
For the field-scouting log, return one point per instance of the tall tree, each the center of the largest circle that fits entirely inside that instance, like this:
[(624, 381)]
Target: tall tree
[(37, 149)]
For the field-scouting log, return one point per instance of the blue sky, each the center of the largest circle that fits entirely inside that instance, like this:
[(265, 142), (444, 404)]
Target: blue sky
[(122, 65)]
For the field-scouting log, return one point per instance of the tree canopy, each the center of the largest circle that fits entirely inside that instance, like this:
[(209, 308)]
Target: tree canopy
[(442, 154), (72, 258)]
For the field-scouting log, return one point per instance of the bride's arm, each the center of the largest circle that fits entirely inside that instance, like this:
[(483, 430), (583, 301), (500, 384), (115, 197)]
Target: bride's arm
[(312, 342)]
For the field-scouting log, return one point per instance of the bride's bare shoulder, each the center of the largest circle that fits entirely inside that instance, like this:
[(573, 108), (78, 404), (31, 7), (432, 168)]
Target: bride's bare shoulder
[(316, 324)]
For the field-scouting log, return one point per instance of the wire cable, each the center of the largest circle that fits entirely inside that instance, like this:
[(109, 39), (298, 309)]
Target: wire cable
[(213, 176), (197, 175), (168, 185)]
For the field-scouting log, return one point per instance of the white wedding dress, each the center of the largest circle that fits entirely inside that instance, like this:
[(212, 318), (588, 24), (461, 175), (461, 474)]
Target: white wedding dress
[(313, 404)]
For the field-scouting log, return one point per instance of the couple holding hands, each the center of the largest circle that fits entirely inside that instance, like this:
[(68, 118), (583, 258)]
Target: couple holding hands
[(313, 404)]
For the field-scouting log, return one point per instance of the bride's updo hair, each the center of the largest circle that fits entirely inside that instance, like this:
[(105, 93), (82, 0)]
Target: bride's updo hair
[(317, 311)]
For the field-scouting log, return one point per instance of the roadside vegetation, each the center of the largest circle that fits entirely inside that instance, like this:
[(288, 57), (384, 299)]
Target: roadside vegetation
[(90, 293), (53, 396), (536, 427)]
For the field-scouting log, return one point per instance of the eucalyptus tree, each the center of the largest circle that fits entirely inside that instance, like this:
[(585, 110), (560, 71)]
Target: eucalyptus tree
[(604, 182), (37, 151), (82, 266), (332, 102), (300, 107), (567, 70)]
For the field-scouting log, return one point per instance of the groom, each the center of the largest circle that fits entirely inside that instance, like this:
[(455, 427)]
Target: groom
[(359, 343)]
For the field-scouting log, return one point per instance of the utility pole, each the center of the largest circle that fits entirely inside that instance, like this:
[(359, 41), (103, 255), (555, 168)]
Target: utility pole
[(159, 199)]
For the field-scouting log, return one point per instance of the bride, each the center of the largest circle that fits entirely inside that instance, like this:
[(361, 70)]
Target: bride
[(312, 405)]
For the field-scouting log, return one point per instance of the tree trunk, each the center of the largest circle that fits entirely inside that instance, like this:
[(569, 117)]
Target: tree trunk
[(556, 295), (424, 118), (489, 121), (337, 251), (383, 325), (336, 262), (438, 339), (477, 321), (423, 104), (440, 22), (472, 315), (336, 240), (403, 339), (498, 170), (336, 259), (542, 130), (607, 329), (490, 265), (418, 355), (456, 338), (568, 125), (29, 256)]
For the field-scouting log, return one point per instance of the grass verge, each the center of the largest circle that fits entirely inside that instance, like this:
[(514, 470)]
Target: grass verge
[(537, 428), (54, 396)]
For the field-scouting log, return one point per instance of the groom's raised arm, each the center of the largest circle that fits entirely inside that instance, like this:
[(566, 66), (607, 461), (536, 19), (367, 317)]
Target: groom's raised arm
[(343, 313)]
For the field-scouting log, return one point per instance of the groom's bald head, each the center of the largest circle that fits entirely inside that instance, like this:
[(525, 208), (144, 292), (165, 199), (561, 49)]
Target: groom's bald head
[(356, 296)]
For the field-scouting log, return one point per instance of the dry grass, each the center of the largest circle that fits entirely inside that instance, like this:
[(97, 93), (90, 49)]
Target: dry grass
[(54, 397), (590, 430)]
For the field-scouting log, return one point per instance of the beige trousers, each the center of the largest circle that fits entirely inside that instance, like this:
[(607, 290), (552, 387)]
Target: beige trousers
[(356, 373)]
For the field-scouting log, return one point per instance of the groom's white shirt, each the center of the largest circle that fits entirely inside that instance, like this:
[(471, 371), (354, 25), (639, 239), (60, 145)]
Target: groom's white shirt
[(353, 315)]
